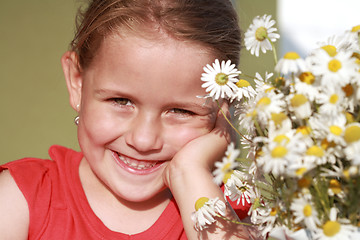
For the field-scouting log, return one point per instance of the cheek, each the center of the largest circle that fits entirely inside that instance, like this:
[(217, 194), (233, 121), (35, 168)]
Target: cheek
[(178, 136), (99, 127)]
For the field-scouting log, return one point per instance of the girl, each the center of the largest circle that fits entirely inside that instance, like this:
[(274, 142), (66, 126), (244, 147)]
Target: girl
[(148, 143)]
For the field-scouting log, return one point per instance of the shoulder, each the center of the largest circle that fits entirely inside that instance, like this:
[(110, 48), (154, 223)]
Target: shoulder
[(14, 217)]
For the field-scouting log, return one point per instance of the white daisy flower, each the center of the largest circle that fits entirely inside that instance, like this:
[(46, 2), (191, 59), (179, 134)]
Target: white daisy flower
[(262, 85), (257, 205), (265, 219), (306, 84), (290, 63), (351, 95), (334, 229), (305, 133), (268, 103), (275, 157), (335, 70), (335, 188), (299, 104), (244, 90), (205, 212), (305, 212), (339, 43), (300, 167), (259, 33), (220, 79), (247, 114), (279, 122), (227, 165), (238, 189), (329, 127), (352, 139), (331, 100), (316, 154), (353, 36)]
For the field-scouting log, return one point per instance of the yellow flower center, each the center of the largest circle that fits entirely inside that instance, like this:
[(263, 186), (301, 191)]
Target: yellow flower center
[(252, 114), (281, 138), (325, 144), (226, 167), (307, 210), (279, 152), (261, 34), (273, 212), (304, 182), (346, 173), (300, 171), (355, 28), (334, 99), (200, 202), (269, 89), (349, 117), (307, 77), (242, 83), (291, 56), (298, 100), (221, 79), (348, 90), (227, 176), (331, 228), (334, 65), (264, 101), (352, 134), (330, 49), (280, 81), (336, 130), (315, 151), (304, 130), (278, 118), (335, 186)]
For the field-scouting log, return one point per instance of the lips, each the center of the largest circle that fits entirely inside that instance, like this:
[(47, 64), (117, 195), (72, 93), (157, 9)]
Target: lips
[(137, 166)]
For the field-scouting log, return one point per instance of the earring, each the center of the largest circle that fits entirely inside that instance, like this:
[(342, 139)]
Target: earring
[(76, 120)]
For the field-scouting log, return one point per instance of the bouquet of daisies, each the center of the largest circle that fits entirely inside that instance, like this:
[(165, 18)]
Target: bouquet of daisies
[(300, 127)]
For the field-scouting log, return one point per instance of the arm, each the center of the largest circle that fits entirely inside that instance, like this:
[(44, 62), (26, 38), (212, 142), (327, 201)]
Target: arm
[(189, 178), (14, 212)]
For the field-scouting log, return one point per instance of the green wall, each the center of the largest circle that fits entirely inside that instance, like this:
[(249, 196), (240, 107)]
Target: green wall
[(34, 106)]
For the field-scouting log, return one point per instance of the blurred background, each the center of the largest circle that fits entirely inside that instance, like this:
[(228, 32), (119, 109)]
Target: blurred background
[(34, 106)]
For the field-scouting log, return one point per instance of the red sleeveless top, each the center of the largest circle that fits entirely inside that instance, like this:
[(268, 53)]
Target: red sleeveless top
[(59, 209)]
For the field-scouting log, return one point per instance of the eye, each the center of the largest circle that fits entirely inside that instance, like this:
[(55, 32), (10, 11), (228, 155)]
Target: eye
[(181, 111), (122, 101)]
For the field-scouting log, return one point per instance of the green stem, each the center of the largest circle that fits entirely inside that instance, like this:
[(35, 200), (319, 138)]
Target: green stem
[(258, 128), (234, 221), (273, 49), (358, 117), (236, 130), (321, 199)]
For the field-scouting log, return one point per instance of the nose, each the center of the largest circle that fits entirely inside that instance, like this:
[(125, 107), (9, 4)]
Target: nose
[(145, 134)]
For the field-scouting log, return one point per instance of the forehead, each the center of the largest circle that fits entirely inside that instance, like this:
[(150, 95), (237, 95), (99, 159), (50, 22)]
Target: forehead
[(160, 64)]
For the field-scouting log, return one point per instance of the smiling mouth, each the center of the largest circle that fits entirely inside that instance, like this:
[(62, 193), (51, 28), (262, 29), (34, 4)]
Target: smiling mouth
[(138, 165)]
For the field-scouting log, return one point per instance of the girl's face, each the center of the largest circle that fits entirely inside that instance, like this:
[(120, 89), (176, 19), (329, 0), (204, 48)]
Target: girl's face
[(139, 107)]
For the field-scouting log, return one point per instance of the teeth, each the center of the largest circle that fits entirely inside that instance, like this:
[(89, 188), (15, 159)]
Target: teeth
[(136, 164)]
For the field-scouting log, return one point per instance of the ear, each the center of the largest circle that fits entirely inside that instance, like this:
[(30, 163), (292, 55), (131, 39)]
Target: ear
[(73, 77)]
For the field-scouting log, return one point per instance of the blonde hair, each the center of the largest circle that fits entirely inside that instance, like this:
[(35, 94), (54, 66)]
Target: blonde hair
[(210, 23)]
